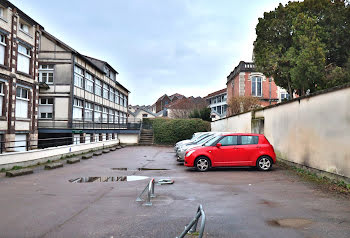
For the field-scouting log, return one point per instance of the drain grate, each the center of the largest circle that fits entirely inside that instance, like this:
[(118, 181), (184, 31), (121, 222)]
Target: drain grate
[(107, 179)]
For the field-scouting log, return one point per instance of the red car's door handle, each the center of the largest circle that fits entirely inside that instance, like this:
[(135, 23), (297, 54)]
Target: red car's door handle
[(258, 147)]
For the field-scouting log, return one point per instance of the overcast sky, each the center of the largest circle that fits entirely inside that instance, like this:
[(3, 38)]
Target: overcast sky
[(157, 46)]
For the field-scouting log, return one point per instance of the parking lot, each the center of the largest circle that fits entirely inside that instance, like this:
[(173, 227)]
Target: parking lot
[(239, 202)]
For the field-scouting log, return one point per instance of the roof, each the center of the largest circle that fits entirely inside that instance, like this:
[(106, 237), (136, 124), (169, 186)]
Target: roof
[(67, 47), (224, 90), (183, 102), (101, 63), (96, 63), (141, 109), (241, 67), (171, 97), (24, 16)]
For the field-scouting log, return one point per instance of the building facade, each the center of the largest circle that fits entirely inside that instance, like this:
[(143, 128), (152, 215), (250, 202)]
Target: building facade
[(164, 101), (19, 42), (244, 80), (218, 103), (79, 97)]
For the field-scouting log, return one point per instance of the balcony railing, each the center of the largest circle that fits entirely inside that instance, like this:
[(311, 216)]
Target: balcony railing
[(64, 123)]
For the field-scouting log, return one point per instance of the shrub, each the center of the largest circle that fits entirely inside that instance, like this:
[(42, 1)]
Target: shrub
[(169, 131)]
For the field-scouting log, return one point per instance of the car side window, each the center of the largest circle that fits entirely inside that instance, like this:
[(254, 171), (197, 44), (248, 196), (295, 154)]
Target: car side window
[(229, 140), (249, 140)]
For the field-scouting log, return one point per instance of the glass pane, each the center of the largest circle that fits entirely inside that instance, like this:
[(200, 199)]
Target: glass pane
[(249, 140), (229, 140)]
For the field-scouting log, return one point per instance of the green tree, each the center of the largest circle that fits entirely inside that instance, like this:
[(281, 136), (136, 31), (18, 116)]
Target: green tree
[(295, 43)]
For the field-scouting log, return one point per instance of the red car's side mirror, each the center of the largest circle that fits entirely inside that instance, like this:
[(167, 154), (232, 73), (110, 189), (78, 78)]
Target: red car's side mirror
[(218, 145)]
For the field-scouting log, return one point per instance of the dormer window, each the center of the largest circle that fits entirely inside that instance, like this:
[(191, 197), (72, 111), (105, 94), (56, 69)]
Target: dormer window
[(24, 27)]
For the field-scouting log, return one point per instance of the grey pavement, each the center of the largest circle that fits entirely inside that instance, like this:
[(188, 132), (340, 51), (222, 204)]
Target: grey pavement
[(241, 202)]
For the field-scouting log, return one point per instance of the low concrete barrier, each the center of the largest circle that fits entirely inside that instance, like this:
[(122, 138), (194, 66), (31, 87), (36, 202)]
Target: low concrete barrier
[(97, 153), (19, 172), (54, 166), (32, 157), (87, 156), (73, 160)]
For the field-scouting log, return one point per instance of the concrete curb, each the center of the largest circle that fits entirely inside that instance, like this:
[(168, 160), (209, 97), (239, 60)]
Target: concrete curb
[(105, 151), (19, 172), (73, 160), (54, 166), (87, 156), (97, 153)]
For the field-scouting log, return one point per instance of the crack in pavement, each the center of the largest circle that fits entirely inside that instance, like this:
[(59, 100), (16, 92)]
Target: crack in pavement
[(76, 214)]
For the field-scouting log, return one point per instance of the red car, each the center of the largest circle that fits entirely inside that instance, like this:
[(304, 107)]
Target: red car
[(233, 150)]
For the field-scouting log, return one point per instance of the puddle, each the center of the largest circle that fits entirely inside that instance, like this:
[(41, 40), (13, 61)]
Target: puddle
[(107, 179), (138, 169), (290, 222)]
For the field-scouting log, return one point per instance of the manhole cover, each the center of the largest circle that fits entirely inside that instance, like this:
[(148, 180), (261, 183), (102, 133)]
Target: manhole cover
[(138, 169), (107, 179)]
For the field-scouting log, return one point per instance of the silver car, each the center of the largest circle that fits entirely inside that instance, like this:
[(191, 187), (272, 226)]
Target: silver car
[(182, 151), (197, 136)]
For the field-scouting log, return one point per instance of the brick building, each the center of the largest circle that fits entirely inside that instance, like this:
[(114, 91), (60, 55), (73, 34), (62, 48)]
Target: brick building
[(19, 41), (245, 81)]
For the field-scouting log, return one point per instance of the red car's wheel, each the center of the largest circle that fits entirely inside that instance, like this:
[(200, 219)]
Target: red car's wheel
[(202, 164), (264, 163)]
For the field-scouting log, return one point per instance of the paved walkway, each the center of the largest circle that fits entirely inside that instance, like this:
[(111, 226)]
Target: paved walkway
[(238, 202)]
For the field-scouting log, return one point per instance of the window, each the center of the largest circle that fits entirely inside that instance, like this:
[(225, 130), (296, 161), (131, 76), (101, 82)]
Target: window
[(78, 77), (249, 140), (88, 112), (24, 27), (23, 59), (98, 113), (111, 94), (219, 109), (121, 100), (98, 87), (105, 91), (89, 83), (45, 108), (105, 115), (2, 48), (256, 86), (117, 97), (144, 115), (229, 140), (1, 97), (219, 99), (117, 117), (125, 101), (78, 109), (284, 96), (46, 73), (111, 116), (22, 102), (2, 13)]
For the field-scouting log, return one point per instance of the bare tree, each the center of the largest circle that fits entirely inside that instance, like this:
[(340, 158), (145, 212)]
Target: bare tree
[(241, 104)]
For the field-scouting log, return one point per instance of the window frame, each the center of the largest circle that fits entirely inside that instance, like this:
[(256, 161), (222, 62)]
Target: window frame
[(254, 86), (48, 70), (26, 55)]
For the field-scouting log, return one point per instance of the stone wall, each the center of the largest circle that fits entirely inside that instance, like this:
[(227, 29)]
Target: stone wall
[(313, 131)]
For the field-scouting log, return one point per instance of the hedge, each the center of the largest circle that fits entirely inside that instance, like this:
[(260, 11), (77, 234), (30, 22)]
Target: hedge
[(169, 131)]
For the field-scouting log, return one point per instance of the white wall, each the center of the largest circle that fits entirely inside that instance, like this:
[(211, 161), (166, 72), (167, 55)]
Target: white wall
[(16, 157), (130, 139), (313, 131)]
